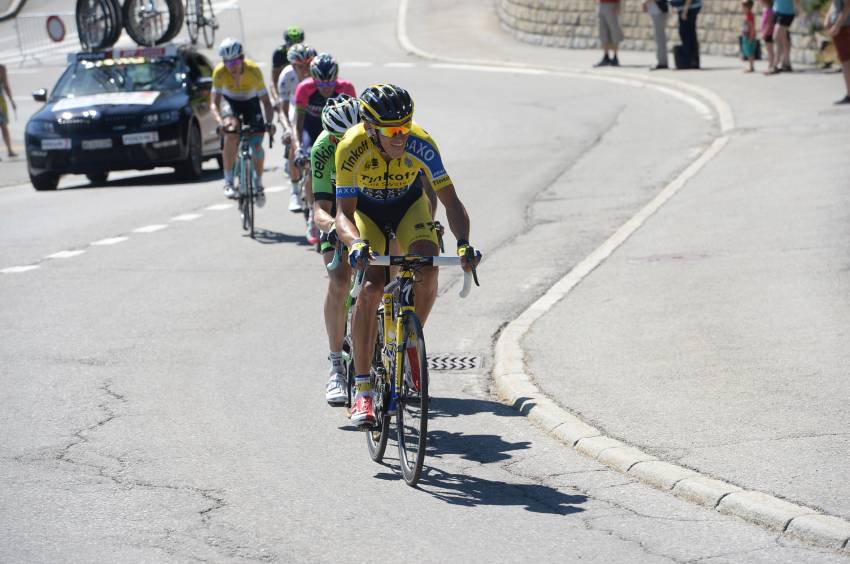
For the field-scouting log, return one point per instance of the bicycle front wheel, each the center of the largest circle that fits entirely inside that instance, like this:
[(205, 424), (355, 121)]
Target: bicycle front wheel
[(194, 17), (412, 402), (249, 200)]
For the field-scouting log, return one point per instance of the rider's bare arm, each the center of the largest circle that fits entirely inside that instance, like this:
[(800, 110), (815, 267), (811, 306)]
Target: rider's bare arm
[(455, 212), (322, 215), (345, 226), (215, 104)]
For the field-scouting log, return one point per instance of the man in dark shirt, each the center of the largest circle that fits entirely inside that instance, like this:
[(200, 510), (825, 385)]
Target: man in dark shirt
[(293, 34)]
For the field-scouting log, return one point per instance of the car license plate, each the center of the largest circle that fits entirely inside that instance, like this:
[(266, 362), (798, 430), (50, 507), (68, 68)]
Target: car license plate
[(91, 144), (55, 144), (139, 138)]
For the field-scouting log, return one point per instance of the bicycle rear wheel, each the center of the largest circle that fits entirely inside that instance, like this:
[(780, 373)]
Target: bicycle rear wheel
[(376, 439), (98, 23), (412, 402)]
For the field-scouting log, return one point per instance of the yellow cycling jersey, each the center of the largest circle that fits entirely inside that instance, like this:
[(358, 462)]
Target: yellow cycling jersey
[(250, 83), (360, 168)]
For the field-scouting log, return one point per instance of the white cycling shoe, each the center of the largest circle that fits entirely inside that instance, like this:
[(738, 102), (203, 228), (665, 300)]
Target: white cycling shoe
[(295, 203), (335, 391)]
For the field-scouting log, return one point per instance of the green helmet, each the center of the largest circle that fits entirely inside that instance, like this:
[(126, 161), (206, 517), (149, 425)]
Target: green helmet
[(293, 34)]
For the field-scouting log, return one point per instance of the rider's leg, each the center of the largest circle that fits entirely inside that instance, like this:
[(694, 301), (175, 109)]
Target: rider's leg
[(416, 236), (258, 156), (425, 288), (339, 281), (228, 155), (364, 326)]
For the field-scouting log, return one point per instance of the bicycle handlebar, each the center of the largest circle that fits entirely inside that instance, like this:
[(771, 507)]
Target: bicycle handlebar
[(397, 260)]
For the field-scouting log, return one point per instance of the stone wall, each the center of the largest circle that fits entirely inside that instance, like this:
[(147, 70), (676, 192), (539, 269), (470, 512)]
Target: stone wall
[(573, 24)]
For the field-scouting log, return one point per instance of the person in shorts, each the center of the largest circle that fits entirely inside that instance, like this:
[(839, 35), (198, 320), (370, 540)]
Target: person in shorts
[(610, 33), (784, 12), (837, 25)]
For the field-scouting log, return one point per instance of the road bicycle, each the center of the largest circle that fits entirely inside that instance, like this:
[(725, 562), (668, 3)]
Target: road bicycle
[(347, 343), (399, 366), (302, 160), (244, 173), (200, 18)]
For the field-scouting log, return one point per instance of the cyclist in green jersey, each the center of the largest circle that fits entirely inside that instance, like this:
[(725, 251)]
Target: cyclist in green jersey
[(339, 114)]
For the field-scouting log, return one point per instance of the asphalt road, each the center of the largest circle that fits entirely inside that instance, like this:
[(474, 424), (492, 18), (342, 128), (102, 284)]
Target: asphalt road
[(162, 391)]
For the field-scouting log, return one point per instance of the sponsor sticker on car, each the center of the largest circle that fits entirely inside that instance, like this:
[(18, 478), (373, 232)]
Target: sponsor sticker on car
[(55, 144), (92, 144), (140, 138)]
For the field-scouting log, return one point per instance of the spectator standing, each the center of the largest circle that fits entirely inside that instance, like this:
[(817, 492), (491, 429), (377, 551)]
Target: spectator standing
[(837, 24), (657, 10), (688, 10), (784, 12), (4, 110), (748, 35), (610, 33), (767, 26)]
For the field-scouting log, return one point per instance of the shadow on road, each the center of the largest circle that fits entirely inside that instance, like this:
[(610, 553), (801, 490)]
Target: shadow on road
[(470, 491), (267, 237), (455, 407)]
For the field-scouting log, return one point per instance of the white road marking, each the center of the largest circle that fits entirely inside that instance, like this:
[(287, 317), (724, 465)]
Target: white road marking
[(110, 241), (219, 207), (357, 64), (65, 254), (275, 189), (17, 269), (150, 228), (485, 68), (186, 217), (399, 65)]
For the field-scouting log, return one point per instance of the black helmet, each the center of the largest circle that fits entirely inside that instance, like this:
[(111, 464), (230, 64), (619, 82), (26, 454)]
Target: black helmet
[(324, 68), (386, 105)]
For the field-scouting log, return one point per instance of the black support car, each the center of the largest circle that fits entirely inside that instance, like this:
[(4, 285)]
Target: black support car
[(124, 109)]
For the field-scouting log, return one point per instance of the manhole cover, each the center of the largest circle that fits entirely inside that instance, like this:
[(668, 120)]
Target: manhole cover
[(448, 361)]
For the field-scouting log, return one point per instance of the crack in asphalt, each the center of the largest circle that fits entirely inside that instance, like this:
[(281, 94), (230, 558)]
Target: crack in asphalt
[(213, 499)]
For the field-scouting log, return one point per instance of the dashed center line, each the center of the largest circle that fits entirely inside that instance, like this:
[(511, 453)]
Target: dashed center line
[(358, 64), (275, 189), (65, 254), (150, 228), (16, 269), (110, 241), (186, 217), (399, 65)]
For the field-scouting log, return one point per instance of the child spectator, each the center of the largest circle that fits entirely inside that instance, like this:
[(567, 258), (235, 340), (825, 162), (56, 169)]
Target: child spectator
[(767, 33), (748, 34)]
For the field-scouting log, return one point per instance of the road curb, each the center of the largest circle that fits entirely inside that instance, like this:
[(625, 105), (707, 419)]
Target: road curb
[(516, 386), (12, 10)]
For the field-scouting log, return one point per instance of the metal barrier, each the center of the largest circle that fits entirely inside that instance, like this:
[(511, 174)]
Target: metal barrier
[(34, 42)]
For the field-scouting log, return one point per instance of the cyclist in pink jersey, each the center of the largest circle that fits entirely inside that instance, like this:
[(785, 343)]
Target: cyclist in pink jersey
[(310, 98)]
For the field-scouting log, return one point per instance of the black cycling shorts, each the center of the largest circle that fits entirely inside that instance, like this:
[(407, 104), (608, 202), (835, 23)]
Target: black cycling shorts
[(249, 112)]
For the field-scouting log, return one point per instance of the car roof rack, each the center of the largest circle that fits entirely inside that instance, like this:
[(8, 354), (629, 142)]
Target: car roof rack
[(125, 52)]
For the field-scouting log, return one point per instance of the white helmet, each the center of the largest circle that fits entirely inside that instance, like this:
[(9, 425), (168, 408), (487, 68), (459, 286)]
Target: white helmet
[(300, 52), (230, 49), (340, 113)]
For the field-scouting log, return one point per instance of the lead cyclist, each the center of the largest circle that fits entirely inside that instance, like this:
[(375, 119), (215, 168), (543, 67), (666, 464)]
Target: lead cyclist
[(378, 163)]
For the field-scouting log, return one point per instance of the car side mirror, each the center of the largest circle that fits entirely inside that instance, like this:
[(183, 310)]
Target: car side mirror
[(40, 95), (202, 84)]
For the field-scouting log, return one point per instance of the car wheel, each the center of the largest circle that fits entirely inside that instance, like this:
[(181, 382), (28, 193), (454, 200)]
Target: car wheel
[(192, 167), (97, 177), (46, 181)]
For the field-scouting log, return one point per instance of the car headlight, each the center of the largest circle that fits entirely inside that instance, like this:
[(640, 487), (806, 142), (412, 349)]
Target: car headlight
[(40, 127), (161, 118)]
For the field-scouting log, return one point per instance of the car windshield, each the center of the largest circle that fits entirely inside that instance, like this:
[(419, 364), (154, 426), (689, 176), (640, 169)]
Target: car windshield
[(119, 75)]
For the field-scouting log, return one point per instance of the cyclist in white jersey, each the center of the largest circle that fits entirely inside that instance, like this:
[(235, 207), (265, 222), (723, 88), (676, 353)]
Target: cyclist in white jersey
[(299, 56)]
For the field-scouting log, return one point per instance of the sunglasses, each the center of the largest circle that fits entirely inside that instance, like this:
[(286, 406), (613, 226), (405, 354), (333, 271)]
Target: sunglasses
[(331, 84), (394, 130), (232, 63)]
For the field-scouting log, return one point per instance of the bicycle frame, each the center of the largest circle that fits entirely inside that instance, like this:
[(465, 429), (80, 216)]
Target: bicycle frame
[(393, 317)]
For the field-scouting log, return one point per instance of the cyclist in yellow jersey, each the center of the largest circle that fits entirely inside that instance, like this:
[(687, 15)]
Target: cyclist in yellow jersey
[(377, 164), (237, 94)]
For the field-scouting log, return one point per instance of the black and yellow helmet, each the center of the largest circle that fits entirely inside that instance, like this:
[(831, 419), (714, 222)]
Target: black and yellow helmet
[(385, 105)]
